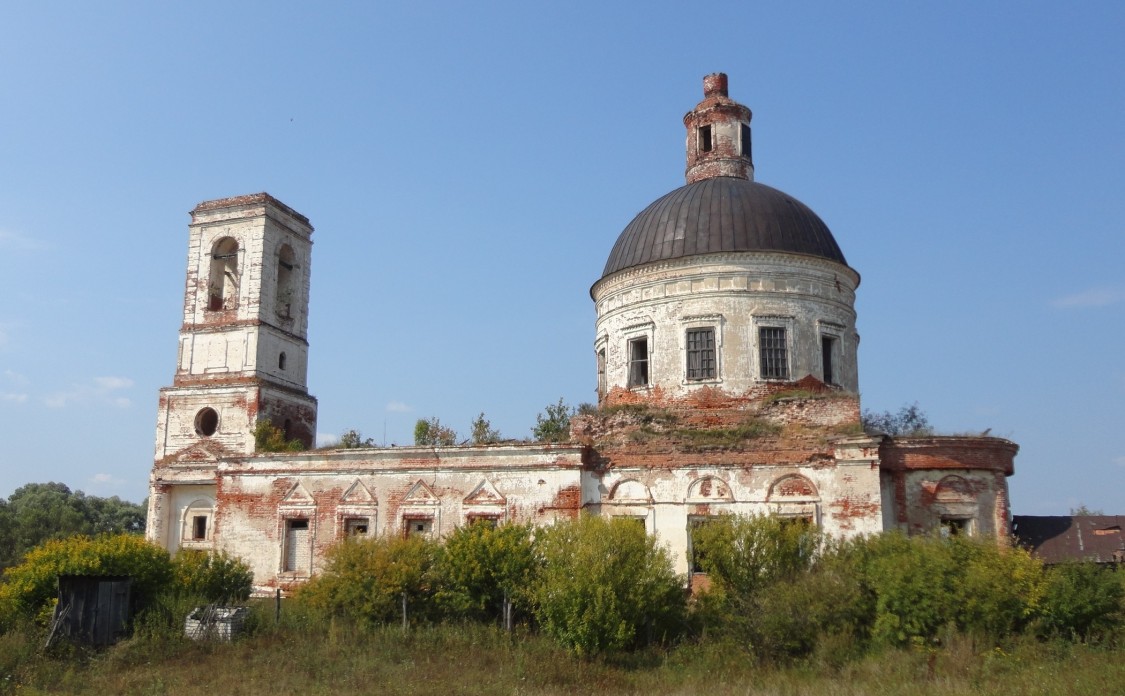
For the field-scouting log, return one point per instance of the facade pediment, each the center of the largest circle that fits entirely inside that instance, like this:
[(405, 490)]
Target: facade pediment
[(485, 494), (358, 494), (420, 494)]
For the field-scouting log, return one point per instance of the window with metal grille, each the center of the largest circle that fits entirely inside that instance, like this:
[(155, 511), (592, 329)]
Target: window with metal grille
[(638, 362), (775, 356), (701, 354)]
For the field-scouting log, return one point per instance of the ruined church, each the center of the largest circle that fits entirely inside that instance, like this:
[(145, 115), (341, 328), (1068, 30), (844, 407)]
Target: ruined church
[(725, 349)]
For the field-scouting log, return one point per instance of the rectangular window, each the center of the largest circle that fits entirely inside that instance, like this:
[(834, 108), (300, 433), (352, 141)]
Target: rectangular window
[(296, 546), (418, 526), (746, 141), (356, 526), (695, 555), (705, 138), (199, 527), (827, 347), (774, 354), (488, 520), (956, 526), (601, 374), (638, 362), (701, 354)]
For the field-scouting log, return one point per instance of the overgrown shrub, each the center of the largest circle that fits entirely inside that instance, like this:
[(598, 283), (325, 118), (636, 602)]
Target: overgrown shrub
[(1082, 602), (214, 576), (32, 586), (270, 438), (605, 586), (366, 580), (484, 570), (743, 553)]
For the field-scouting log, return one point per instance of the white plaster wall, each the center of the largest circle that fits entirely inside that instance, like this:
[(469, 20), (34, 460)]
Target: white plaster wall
[(175, 429), (735, 293), (847, 501), (252, 527)]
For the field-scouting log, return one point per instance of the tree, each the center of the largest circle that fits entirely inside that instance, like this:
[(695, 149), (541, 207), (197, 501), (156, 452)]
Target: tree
[(352, 439), (30, 587), (214, 576), (485, 571), (909, 420), (1083, 602), (482, 431), (37, 512), (431, 433), (270, 438), (605, 586), (554, 426), (1082, 510), (369, 580)]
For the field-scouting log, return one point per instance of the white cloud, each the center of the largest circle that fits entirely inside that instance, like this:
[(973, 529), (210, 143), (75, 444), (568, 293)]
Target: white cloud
[(1094, 297), (14, 397), (99, 390), (326, 439), (16, 378), (111, 383), (399, 407), (14, 241)]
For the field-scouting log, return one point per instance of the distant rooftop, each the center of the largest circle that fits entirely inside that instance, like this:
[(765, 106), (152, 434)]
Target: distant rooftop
[(1058, 539)]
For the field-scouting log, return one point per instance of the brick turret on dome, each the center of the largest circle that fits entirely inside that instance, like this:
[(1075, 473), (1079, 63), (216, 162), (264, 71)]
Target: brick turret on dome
[(718, 135)]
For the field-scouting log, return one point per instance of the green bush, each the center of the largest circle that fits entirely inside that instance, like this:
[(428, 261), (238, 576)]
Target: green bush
[(31, 587), (605, 586), (999, 587), (365, 580), (1082, 602), (743, 554), (213, 576), (482, 567)]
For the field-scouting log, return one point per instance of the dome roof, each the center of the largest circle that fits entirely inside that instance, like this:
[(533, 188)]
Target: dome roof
[(722, 214)]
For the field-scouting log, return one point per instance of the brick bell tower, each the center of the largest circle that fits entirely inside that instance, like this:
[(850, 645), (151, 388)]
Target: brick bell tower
[(243, 350)]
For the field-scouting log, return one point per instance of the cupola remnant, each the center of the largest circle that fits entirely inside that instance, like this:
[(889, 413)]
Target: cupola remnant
[(718, 135)]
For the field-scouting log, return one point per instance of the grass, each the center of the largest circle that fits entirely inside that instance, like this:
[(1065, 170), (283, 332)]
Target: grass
[(300, 656), (716, 438)]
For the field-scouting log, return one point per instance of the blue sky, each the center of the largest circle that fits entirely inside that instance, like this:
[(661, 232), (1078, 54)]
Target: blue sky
[(468, 167)]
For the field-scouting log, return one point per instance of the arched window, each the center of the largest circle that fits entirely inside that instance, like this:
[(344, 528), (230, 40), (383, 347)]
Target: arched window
[(281, 361), (224, 280), (286, 262)]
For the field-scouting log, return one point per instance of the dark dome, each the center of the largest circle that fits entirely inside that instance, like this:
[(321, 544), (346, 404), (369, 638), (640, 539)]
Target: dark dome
[(722, 214)]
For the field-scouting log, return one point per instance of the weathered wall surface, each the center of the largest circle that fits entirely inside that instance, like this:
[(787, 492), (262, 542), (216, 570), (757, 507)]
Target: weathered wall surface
[(281, 513), (736, 294), (959, 481)]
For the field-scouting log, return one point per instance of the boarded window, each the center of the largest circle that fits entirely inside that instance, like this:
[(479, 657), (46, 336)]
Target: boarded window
[(296, 546), (701, 362), (418, 526), (774, 354), (638, 362)]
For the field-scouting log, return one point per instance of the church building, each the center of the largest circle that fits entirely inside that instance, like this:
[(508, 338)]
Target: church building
[(725, 346)]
